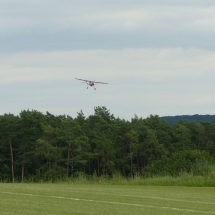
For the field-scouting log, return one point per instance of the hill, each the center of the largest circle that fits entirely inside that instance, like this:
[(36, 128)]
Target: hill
[(196, 117)]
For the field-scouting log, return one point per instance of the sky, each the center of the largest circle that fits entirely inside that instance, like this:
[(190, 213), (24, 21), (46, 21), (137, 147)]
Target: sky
[(158, 57)]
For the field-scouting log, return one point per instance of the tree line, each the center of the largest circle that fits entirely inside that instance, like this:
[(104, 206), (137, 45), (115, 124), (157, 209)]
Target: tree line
[(44, 146)]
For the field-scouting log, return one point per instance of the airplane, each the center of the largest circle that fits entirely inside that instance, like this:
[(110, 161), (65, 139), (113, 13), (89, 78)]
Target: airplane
[(90, 83)]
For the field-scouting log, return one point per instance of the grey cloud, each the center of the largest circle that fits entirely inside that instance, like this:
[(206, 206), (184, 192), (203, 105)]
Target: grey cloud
[(145, 81), (81, 39), (67, 25), (108, 41)]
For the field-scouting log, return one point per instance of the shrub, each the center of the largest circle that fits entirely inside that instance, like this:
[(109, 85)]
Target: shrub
[(192, 161)]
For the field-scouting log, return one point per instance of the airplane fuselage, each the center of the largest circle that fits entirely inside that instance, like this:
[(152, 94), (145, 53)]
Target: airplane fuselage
[(91, 83)]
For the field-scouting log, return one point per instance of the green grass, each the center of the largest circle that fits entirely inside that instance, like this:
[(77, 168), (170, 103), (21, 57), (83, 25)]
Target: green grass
[(97, 199), (184, 179)]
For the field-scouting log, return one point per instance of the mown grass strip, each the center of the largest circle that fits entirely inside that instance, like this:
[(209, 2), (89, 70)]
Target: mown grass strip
[(97, 199), (110, 202)]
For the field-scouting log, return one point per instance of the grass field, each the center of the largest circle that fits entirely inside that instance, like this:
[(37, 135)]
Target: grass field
[(72, 199)]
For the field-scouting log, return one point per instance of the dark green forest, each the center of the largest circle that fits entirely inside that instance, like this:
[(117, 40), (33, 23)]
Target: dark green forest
[(196, 118), (34, 145)]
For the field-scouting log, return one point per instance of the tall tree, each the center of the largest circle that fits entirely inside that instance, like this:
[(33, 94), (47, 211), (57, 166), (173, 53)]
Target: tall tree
[(132, 142), (182, 138), (153, 149), (30, 131), (209, 137), (105, 154), (48, 151), (9, 131), (76, 144)]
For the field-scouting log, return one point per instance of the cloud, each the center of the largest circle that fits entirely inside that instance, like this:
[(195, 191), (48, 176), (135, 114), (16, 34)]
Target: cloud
[(157, 64), (142, 81), (158, 56), (69, 25)]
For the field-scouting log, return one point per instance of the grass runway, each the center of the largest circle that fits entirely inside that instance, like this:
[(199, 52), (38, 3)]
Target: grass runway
[(78, 199)]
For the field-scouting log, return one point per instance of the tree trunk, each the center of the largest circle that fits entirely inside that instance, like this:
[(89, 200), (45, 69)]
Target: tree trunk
[(98, 167), (67, 165), (131, 157), (123, 155), (11, 158), (49, 163), (23, 171)]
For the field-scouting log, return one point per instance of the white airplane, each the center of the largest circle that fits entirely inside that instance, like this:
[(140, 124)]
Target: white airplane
[(91, 83)]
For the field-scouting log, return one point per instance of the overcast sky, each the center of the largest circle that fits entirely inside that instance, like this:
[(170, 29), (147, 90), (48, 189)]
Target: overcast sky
[(157, 56)]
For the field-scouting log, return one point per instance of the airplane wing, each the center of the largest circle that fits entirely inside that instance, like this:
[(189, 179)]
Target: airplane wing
[(100, 82), (97, 82), (82, 79)]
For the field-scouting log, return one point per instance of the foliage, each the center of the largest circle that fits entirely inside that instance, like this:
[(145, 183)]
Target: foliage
[(44, 147), (195, 162)]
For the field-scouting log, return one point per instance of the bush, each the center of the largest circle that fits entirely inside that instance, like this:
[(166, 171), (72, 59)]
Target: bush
[(192, 161)]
